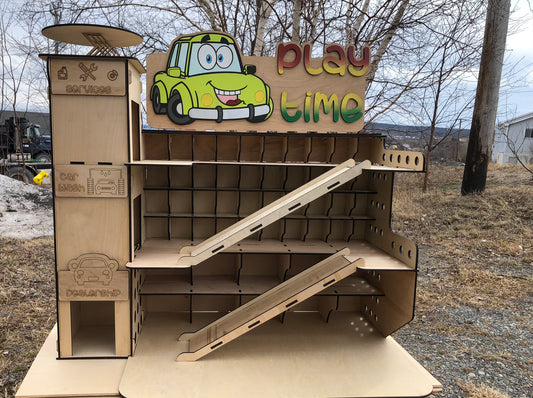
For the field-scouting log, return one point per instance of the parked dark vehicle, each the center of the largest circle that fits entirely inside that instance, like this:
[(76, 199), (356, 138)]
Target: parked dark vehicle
[(23, 150)]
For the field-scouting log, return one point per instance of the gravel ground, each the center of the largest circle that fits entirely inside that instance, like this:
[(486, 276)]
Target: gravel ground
[(472, 345)]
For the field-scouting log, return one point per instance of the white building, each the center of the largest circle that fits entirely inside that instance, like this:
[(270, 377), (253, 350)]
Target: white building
[(513, 139)]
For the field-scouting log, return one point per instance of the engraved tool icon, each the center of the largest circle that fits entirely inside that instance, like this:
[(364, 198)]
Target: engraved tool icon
[(112, 75), (88, 72), (62, 74)]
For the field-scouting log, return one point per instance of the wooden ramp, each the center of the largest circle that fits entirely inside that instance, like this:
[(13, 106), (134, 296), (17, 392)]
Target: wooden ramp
[(334, 178), (271, 303)]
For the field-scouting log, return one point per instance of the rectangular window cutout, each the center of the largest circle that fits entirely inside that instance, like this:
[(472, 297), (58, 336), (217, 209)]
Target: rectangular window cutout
[(218, 249), (256, 228), (294, 206), (329, 283), (291, 303), (254, 324), (217, 345), (333, 185)]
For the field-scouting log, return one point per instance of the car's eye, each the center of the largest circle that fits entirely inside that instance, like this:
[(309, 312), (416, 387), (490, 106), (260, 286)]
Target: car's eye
[(207, 56), (224, 57)]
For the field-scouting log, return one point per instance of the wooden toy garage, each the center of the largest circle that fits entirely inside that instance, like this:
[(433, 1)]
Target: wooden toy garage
[(239, 248)]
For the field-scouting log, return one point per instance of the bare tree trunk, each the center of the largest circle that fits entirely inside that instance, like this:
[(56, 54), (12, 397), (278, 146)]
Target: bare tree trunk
[(385, 42), (206, 6), (486, 104), (352, 29), (264, 10), (55, 10), (296, 19)]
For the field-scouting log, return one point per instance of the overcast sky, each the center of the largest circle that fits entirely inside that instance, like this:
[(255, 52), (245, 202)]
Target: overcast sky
[(516, 93)]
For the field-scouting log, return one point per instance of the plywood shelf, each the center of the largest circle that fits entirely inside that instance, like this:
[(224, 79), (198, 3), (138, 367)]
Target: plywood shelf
[(244, 189), (241, 216), (190, 163), (277, 149), (162, 253), (248, 285)]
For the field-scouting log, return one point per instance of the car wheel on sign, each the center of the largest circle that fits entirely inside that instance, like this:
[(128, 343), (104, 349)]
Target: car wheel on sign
[(159, 108), (175, 110)]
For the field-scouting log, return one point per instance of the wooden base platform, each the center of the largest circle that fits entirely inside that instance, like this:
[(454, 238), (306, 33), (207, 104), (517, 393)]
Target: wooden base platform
[(50, 377), (303, 357)]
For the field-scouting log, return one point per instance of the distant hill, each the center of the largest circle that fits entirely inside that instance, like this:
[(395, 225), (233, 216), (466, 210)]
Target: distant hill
[(401, 131), (452, 144)]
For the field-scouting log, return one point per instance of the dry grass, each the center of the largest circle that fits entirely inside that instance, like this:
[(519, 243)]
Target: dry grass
[(474, 391), (483, 242), (27, 305)]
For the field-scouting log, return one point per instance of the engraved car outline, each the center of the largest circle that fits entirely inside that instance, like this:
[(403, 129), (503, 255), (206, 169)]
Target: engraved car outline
[(93, 268)]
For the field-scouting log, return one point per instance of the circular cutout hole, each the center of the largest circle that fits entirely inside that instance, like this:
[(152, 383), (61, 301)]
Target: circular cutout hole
[(416, 161), (384, 157), (383, 206), (409, 254), (401, 249), (399, 158), (393, 244), (407, 159), (380, 232), (390, 158)]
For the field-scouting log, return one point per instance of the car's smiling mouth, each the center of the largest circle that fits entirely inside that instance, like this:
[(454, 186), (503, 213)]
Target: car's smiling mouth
[(230, 98)]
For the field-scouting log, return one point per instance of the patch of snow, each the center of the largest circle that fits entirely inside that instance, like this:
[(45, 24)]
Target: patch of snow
[(25, 209)]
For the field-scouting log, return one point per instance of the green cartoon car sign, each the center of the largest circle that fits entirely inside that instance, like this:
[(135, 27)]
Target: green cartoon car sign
[(206, 80)]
